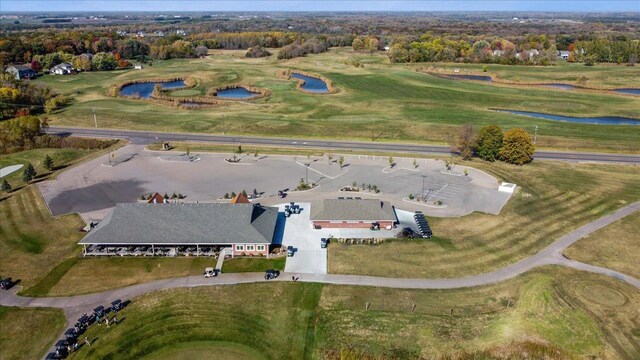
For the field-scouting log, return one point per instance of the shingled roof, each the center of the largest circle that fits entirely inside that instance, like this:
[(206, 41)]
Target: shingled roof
[(352, 210), (188, 224)]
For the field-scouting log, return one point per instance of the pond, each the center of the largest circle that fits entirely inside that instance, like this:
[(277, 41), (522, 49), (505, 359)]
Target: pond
[(628, 91), (312, 84), (599, 120), (144, 90), (561, 86), (236, 93), (471, 77)]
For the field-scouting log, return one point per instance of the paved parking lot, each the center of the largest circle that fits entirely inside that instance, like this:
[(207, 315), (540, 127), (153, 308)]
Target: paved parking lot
[(92, 189)]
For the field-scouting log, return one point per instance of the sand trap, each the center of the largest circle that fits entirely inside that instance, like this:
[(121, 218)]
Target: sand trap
[(10, 169)]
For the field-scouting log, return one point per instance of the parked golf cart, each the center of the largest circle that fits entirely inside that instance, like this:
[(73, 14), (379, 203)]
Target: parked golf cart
[(6, 283), (210, 272), (290, 251), (271, 274), (323, 243)]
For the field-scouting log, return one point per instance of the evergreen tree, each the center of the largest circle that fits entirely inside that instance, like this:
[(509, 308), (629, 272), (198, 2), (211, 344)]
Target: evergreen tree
[(29, 173), (6, 187), (48, 163)]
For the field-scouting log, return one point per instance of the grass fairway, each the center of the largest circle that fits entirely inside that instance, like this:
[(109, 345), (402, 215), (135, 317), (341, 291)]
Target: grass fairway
[(615, 246), (28, 333), (393, 101), (553, 312), (553, 199), (33, 243), (213, 350)]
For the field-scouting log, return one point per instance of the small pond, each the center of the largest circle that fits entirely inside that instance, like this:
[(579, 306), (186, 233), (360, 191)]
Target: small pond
[(144, 90), (600, 120), (471, 77), (561, 86), (312, 84), (236, 93), (628, 91)]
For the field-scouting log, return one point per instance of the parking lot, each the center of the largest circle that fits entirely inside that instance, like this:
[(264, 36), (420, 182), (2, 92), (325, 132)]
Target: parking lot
[(92, 189)]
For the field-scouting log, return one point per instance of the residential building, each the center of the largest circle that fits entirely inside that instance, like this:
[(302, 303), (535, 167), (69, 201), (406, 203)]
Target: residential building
[(61, 69), (352, 213), (247, 229), (21, 71)]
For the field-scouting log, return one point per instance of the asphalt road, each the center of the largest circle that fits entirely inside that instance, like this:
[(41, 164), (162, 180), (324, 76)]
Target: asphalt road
[(146, 137)]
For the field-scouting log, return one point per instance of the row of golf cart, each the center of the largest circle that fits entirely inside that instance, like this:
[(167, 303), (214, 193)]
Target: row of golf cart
[(71, 341), (291, 208), (423, 225)]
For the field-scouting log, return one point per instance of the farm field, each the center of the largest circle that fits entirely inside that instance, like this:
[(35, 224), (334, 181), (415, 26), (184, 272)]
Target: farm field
[(27, 333), (552, 199), (614, 247), (394, 102), (553, 312)]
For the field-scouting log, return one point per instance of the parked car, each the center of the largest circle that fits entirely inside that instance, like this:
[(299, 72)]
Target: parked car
[(210, 272), (271, 274), (323, 243), (281, 194), (375, 226), (290, 251)]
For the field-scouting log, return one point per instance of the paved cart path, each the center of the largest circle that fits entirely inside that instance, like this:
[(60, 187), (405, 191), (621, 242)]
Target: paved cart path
[(74, 306)]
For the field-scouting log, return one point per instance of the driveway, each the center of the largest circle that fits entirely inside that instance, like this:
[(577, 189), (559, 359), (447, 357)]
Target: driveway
[(308, 258)]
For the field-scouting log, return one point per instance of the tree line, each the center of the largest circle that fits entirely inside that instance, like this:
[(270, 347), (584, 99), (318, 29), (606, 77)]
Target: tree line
[(514, 146)]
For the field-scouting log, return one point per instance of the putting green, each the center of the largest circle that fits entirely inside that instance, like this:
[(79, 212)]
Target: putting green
[(219, 350), (602, 294)]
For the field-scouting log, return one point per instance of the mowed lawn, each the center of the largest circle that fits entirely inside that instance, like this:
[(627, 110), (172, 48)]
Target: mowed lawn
[(33, 243), (553, 312), (394, 101), (616, 246), (62, 158), (28, 333), (552, 199)]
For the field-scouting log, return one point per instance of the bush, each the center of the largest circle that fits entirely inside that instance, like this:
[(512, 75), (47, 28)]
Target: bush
[(411, 197), (517, 147), (488, 142)]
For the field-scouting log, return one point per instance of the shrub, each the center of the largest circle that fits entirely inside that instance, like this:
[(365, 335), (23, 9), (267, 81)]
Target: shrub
[(517, 147), (411, 197)]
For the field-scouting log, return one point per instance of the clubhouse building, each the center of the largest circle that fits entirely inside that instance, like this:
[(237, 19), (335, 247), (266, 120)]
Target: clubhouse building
[(191, 229)]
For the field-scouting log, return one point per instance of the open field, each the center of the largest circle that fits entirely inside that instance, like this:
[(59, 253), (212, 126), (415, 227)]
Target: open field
[(27, 333), (552, 199), (392, 101), (615, 246), (557, 312)]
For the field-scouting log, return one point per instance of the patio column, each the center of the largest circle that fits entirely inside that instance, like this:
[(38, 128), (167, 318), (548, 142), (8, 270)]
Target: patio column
[(197, 250), (85, 249), (153, 250)]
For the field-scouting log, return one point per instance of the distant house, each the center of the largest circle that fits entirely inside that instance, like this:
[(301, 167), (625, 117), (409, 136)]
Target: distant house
[(352, 213), (528, 54), (246, 229), (386, 48), (88, 56), (564, 54), (157, 199), (498, 53), (138, 67), (21, 72), (61, 69)]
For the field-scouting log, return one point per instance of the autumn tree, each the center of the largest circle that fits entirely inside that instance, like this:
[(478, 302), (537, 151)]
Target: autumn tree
[(36, 66), (463, 145), (488, 143), (517, 147)]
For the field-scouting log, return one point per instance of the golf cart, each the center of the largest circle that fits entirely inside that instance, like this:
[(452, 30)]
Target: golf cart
[(323, 243), (271, 274), (290, 251), (210, 272), (6, 283)]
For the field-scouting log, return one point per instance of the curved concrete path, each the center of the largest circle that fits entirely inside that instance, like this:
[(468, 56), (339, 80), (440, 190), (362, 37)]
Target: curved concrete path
[(74, 306)]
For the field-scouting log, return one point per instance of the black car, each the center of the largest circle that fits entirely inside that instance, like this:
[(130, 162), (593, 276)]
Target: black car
[(271, 274), (323, 243)]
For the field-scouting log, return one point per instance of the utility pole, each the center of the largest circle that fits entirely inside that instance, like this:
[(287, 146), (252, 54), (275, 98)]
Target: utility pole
[(535, 135), (95, 120)]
